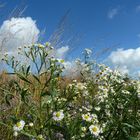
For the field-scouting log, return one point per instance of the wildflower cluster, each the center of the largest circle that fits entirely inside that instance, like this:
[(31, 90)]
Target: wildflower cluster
[(100, 104)]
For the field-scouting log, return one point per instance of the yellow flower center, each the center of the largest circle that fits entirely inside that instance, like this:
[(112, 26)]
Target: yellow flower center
[(18, 124), (86, 116), (62, 61), (58, 114), (94, 129)]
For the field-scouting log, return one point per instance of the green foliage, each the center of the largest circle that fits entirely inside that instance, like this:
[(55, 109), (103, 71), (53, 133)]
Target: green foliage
[(104, 105)]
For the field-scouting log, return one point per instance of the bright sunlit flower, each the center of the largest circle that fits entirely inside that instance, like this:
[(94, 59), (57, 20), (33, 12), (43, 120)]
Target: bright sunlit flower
[(19, 126), (40, 46), (40, 137), (58, 116), (87, 117), (97, 108), (94, 129), (80, 86), (31, 124), (83, 129), (60, 60), (47, 44), (15, 134)]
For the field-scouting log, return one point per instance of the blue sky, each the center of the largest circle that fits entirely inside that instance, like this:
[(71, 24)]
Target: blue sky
[(88, 18), (101, 23)]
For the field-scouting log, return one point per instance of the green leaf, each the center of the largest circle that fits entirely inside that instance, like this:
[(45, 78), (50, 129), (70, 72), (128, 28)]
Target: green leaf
[(27, 71), (23, 70), (27, 55), (10, 73), (13, 63), (36, 78), (132, 138), (27, 134), (1, 123), (33, 58), (23, 78), (129, 125)]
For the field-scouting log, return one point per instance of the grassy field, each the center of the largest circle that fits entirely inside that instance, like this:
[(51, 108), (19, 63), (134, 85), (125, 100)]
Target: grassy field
[(39, 102)]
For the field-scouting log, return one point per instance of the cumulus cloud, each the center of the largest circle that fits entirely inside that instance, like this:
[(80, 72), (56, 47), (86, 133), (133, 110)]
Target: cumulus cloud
[(17, 32), (112, 13), (126, 61), (61, 52), (70, 66)]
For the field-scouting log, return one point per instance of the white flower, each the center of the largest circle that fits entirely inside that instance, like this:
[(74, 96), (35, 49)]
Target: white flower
[(48, 44), (40, 137), (94, 118), (83, 135), (81, 86), (15, 134), (83, 129), (60, 60), (59, 115), (19, 126), (31, 124), (87, 117), (41, 46), (94, 129), (97, 108), (85, 93)]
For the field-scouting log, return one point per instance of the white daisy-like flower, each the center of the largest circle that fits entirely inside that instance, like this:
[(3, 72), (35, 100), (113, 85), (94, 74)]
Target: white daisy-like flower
[(87, 117), (97, 108), (31, 124), (15, 134), (58, 116), (81, 86), (94, 129), (60, 60), (48, 44), (94, 116), (40, 137), (84, 129), (41, 46), (19, 126)]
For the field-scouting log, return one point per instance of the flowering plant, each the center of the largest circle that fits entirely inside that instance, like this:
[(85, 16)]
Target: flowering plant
[(102, 105)]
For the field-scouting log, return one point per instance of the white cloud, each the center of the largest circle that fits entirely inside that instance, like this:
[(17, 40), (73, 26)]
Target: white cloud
[(61, 52), (17, 32), (126, 61), (70, 66), (112, 13), (138, 8)]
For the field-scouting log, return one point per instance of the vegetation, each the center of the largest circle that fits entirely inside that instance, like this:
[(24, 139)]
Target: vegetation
[(38, 102)]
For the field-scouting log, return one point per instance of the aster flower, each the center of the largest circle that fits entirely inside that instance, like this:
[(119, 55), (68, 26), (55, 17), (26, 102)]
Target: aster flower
[(87, 117), (81, 86), (15, 134), (83, 129), (94, 130), (94, 117), (19, 126), (31, 124), (97, 108), (58, 116)]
